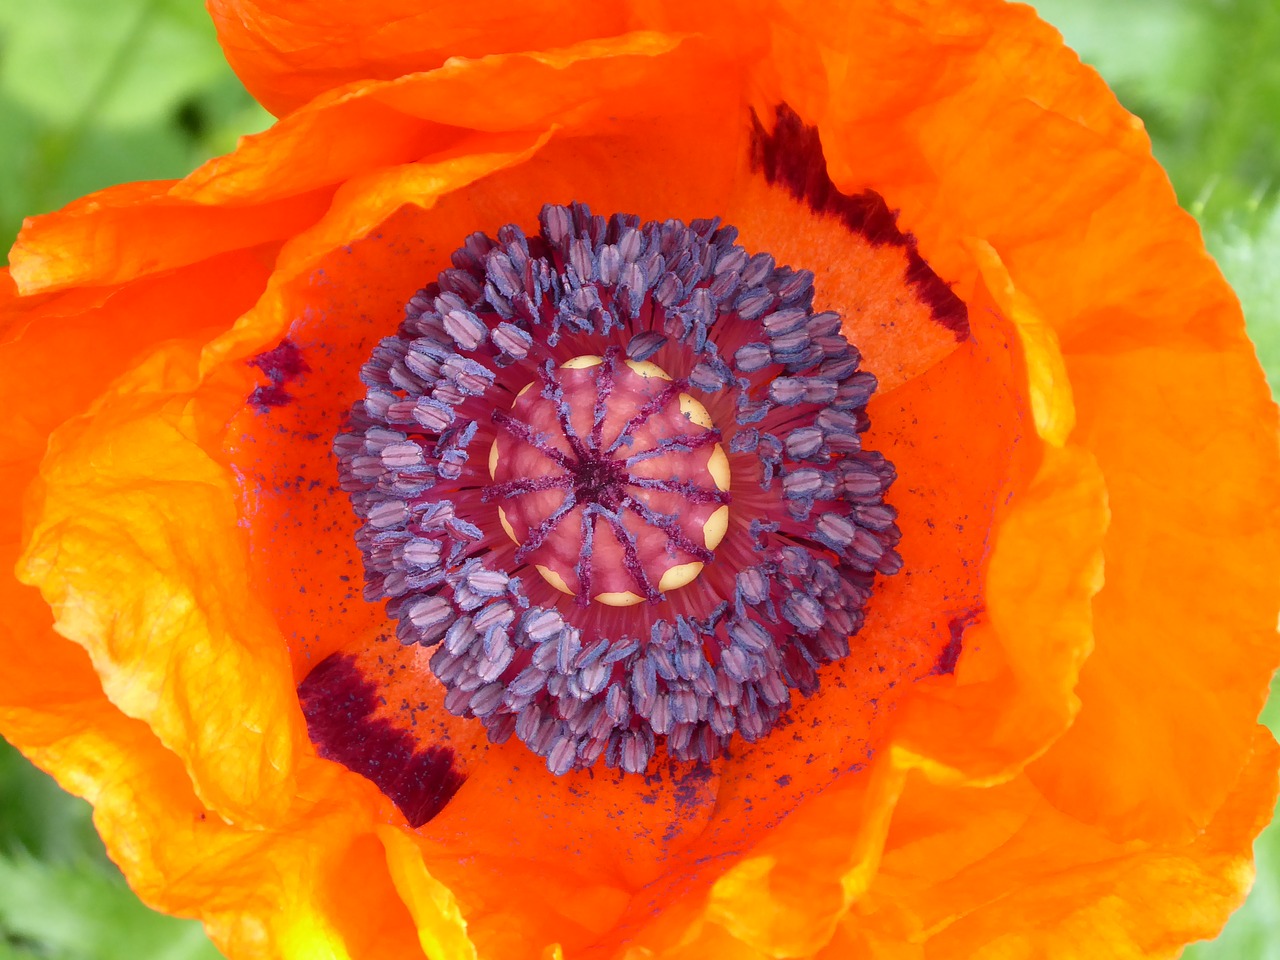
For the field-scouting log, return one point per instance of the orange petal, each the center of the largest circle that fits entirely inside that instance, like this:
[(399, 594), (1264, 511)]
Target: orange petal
[(1101, 255), (998, 872), (1172, 680), (122, 233), (1014, 691), (161, 617), (1007, 690), (58, 352), (285, 54)]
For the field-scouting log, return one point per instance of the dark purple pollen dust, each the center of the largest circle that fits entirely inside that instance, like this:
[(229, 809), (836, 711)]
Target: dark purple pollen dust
[(604, 479), (282, 364)]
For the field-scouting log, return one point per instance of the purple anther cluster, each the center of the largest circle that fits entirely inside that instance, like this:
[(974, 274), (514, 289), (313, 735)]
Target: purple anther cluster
[(808, 526)]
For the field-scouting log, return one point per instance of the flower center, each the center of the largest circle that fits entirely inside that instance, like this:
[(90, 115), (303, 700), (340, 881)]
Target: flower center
[(543, 465), (612, 480)]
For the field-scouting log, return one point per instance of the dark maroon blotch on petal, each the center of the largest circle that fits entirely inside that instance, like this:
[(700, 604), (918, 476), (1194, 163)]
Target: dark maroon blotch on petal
[(950, 655), (338, 703), (791, 157), (282, 365)]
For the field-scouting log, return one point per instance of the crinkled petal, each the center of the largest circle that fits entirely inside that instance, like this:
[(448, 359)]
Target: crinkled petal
[(1011, 692), (278, 183), (120, 234), (1143, 321), (162, 616), (285, 53), (1001, 872), (1173, 680)]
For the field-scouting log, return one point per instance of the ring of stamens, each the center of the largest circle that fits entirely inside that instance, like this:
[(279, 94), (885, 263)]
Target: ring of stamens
[(611, 479), (625, 369)]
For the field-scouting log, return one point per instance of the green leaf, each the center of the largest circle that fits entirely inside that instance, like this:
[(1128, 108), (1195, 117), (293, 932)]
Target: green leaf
[(79, 911), (118, 63), (1247, 248), (38, 819), (1204, 77), (96, 92), (1253, 932)]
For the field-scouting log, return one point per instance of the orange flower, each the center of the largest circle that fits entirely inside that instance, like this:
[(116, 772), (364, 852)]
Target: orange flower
[(1042, 741)]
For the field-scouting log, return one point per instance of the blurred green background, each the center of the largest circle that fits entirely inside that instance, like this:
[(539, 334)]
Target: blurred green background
[(94, 92)]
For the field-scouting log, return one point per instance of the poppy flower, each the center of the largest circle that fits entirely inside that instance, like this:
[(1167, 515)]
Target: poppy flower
[(971, 665)]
